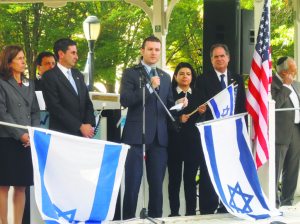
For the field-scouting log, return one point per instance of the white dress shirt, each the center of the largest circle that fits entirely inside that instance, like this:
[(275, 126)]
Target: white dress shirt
[(295, 100), (225, 77)]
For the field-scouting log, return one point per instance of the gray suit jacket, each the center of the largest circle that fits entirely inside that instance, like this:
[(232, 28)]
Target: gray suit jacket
[(18, 105), (284, 119)]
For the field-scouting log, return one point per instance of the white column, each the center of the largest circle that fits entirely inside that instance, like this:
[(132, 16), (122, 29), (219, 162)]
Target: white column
[(160, 28), (271, 163), (258, 8), (296, 6), (159, 17)]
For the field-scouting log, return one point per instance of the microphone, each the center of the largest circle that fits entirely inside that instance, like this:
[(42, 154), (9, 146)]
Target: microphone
[(155, 74)]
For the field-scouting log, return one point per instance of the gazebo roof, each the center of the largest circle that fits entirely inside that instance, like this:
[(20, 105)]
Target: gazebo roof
[(50, 3)]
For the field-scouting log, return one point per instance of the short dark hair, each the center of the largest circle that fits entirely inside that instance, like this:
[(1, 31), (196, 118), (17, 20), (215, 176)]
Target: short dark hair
[(214, 46), (7, 54), (151, 38), (42, 55), (62, 45), (180, 66)]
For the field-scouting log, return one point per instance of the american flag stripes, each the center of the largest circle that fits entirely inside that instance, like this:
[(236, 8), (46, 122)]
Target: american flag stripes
[(258, 88)]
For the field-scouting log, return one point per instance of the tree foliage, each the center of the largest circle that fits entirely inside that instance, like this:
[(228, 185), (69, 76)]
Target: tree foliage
[(123, 27), (184, 40)]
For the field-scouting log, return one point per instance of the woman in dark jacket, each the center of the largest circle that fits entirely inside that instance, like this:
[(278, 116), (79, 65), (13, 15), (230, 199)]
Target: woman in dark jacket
[(184, 146), (18, 105)]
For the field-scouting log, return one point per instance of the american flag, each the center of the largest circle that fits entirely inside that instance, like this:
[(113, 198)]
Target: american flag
[(258, 88)]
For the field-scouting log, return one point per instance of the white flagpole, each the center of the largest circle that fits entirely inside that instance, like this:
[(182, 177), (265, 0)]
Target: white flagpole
[(271, 123), (272, 176), (13, 125)]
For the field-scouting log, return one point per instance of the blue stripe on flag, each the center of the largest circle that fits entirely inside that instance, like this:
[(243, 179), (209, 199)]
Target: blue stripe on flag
[(248, 164), (41, 142), (106, 182), (230, 89), (264, 216), (215, 108), (50, 222), (209, 142)]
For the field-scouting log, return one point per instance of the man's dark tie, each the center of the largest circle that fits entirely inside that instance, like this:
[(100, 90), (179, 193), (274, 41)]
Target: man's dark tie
[(152, 73), (223, 85)]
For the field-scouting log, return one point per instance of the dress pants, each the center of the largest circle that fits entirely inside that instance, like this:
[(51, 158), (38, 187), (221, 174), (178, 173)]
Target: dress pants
[(175, 164), (156, 162), (287, 164)]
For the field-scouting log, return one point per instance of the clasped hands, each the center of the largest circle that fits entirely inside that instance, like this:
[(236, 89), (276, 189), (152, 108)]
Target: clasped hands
[(87, 130), (25, 140)]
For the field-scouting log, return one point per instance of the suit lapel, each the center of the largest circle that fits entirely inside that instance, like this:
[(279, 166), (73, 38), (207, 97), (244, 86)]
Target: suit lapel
[(22, 91), (214, 79), (161, 76), (230, 78), (277, 82), (77, 82)]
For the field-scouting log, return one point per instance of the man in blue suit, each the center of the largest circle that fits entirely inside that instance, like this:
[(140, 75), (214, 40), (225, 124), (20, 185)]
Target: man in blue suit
[(156, 137)]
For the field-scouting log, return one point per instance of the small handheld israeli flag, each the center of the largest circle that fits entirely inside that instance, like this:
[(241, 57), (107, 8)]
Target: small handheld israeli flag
[(232, 170), (222, 105), (76, 179)]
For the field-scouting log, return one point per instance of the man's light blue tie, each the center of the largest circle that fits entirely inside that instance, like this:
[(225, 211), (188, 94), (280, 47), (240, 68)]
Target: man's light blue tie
[(223, 85), (71, 80)]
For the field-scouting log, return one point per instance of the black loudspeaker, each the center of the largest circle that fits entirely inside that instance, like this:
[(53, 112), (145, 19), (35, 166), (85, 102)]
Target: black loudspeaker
[(247, 41), (222, 25)]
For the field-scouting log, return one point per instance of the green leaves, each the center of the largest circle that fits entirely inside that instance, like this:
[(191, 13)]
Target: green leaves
[(123, 28)]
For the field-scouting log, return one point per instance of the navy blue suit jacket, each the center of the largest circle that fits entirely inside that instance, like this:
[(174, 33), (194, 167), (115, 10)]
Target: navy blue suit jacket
[(209, 85), (155, 116), (67, 109)]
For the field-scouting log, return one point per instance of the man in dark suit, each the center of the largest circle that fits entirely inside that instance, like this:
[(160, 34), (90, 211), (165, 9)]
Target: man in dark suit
[(44, 62), (286, 93), (156, 136), (66, 95), (209, 85)]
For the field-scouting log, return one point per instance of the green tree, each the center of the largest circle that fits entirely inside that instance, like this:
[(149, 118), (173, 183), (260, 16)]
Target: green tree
[(29, 25), (123, 27), (184, 40), (282, 26)]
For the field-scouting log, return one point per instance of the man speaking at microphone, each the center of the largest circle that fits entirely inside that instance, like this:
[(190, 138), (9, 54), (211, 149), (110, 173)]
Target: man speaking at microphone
[(156, 137)]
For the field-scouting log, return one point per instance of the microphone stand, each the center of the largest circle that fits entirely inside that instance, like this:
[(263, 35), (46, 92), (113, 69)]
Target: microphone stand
[(147, 80), (143, 81)]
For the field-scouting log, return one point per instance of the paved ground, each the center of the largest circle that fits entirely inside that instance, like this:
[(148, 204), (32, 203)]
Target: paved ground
[(291, 215)]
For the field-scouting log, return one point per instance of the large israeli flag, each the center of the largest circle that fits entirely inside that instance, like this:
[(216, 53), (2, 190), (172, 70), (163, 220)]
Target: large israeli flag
[(76, 179), (232, 170), (222, 105)]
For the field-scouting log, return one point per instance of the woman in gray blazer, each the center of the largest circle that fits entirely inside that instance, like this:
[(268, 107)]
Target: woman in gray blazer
[(18, 105)]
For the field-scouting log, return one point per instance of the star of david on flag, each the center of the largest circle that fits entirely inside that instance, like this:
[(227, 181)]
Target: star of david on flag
[(232, 170), (222, 105), (76, 180)]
